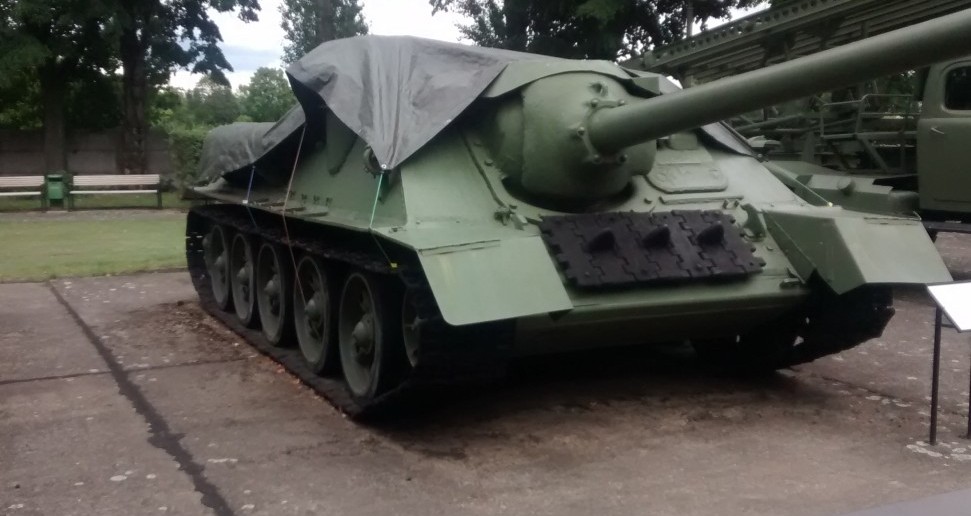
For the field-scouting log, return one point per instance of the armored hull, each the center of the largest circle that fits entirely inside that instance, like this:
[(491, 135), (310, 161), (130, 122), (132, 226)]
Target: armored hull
[(431, 210)]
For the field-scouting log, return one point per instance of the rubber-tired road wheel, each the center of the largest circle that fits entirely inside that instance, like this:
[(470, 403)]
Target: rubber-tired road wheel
[(215, 246), (273, 298), (243, 280), (312, 314), (369, 335)]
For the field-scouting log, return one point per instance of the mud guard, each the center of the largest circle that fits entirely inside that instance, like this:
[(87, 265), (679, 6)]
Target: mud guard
[(494, 280), (849, 249)]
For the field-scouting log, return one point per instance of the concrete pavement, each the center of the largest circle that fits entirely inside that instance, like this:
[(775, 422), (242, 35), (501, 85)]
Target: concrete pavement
[(118, 396)]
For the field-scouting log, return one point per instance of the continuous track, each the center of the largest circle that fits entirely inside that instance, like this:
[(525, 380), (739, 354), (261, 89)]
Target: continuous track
[(448, 355), (476, 354)]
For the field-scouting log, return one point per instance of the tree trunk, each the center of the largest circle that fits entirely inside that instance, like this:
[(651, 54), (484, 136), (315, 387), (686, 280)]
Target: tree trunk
[(689, 17), (134, 126), (327, 21), (52, 91)]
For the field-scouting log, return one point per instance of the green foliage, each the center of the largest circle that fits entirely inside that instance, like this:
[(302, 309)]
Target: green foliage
[(267, 97), (169, 110), (185, 143), (600, 29), (20, 103), (168, 34), (48, 48), (93, 104), (212, 103), (156, 36), (167, 106), (186, 117), (308, 23), (64, 36)]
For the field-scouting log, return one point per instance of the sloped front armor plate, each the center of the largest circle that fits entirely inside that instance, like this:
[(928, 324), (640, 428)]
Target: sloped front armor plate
[(620, 249)]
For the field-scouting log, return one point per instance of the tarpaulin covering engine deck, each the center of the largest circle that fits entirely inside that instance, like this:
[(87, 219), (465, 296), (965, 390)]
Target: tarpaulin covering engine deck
[(397, 93)]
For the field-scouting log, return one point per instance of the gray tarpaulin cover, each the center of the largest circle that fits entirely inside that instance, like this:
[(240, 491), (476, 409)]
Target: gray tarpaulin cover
[(398, 92), (395, 92), (232, 147)]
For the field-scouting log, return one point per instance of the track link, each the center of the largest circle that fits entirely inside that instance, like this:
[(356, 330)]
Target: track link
[(448, 355)]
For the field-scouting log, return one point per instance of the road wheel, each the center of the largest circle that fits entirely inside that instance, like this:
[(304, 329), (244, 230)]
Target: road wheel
[(369, 335), (243, 280), (215, 246), (273, 298), (312, 314)]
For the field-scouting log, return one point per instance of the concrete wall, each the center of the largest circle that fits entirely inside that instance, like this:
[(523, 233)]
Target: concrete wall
[(22, 153)]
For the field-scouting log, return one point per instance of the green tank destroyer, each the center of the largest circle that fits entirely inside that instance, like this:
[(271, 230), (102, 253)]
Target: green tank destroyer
[(431, 210)]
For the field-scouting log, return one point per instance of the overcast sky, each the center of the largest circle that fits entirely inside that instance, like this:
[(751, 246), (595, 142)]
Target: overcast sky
[(249, 46)]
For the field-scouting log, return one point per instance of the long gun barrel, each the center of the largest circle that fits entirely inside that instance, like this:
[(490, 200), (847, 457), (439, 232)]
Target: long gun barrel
[(613, 129)]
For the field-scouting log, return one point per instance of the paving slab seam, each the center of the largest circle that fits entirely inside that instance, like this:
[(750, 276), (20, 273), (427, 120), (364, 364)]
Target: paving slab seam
[(161, 436), (132, 370), (49, 378), (187, 364)]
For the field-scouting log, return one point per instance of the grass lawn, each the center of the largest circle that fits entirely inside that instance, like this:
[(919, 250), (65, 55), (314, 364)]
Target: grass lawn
[(170, 200), (35, 249)]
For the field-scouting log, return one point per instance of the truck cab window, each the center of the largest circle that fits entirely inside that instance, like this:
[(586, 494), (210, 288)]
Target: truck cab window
[(957, 93)]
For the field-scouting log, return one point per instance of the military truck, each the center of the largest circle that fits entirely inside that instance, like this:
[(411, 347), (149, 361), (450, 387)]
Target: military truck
[(433, 209), (859, 147)]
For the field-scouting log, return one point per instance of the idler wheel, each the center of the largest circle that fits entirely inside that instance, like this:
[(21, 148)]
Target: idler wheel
[(312, 314), (243, 280), (215, 247), (368, 335), (273, 297)]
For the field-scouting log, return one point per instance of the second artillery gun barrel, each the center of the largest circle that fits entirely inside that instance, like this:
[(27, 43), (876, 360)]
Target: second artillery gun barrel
[(905, 49)]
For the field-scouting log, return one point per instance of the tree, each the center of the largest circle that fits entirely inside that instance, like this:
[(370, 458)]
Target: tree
[(156, 36), (267, 97), (50, 45), (212, 103), (592, 29), (308, 23)]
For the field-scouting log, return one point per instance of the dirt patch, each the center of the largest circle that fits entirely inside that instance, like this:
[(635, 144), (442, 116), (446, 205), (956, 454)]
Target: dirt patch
[(172, 333)]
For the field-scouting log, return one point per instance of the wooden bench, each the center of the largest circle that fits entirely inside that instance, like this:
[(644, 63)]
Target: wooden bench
[(97, 185), (24, 186)]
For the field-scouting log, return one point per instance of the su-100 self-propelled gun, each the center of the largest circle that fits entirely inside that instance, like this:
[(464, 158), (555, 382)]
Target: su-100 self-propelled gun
[(432, 209)]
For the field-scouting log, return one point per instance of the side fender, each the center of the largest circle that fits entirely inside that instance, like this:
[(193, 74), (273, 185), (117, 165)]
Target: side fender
[(849, 249), (494, 280)]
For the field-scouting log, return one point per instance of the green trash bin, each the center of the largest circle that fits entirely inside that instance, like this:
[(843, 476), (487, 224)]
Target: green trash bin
[(55, 189)]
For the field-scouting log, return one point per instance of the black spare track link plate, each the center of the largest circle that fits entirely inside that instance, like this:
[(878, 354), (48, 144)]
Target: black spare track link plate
[(449, 356), (627, 248)]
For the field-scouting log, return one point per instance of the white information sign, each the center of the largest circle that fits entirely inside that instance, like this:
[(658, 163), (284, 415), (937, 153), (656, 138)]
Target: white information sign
[(955, 300)]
